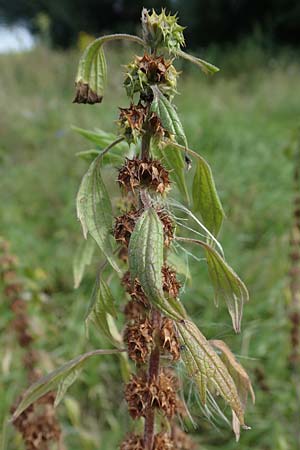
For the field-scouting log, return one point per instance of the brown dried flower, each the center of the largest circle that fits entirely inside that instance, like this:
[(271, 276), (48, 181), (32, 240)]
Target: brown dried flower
[(138, 173), (132, 442), (124, 226), (135, 289), (160, 393), (162, 441), (170, 283), (84, 94), (131, 121), (168, 338), (181, 440), (138, 337)]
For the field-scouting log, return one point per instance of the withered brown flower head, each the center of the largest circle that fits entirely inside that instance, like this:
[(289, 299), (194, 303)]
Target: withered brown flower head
[(168, 338), (124, 226), (170, 283), (168, 226), (160, 393), (84, 94), (154, 67), (131, 121), (38, 424), (135, 290), (138, 337), (137, 173), (162, 441), (132, 442), (182, 440)]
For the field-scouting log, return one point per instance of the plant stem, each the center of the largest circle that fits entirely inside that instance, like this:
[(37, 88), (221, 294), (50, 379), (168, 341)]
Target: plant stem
[(146, 145), (153, 371)]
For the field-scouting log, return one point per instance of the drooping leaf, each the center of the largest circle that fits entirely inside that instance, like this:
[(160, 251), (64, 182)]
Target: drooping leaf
[(66, 382), (92, 74), (227, 284), (239, 376), (207, 369), (94, 210), (205, 197), (52, 380), (146, 248), (82, 258), (173, 161), (207, 67), (168, 116), (102, 303)]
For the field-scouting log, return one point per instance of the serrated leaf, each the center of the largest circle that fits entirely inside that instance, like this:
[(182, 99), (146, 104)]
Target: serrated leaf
[(168, 115), (206, 368), (102, 304), (173, 161), (239, 376), (94, 210), (92, 74), (53, 379), (206, 199), (204, 65), (83, 257), (227, 284), (145, 252)]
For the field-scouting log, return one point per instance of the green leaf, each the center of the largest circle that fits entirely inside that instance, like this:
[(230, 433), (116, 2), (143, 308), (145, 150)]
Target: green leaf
[(173, 161), (102, 304), (92, 74), (94, 210), (239, 376), (101, 138), (83, 257), (227, 284), (206, 199), (146, 247), (180, 263), (204, 65), (168, 115), (110, 158), (207, 369), (54, 379)]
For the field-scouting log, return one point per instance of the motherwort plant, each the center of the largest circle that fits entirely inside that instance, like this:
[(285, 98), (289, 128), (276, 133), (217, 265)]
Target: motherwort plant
[(145, 237)]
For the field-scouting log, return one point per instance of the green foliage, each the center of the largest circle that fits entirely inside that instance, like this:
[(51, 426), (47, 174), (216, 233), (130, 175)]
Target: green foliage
[(82, 258), (94, 210)]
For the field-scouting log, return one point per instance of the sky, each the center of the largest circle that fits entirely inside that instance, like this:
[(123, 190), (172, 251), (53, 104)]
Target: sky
[(15, 39)]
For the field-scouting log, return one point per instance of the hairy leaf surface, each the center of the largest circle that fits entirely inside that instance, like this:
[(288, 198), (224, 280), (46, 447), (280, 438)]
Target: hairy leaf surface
[(206, 199), (226, 283), (102, 303), (52, 380), (168, 116), (94, 210), (206, 368), (83, 257), (146, 248)]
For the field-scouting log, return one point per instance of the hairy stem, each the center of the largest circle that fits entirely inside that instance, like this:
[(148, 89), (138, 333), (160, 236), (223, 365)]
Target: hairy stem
[(153, 371)]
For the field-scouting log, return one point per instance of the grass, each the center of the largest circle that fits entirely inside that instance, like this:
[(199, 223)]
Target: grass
[(240, 122)]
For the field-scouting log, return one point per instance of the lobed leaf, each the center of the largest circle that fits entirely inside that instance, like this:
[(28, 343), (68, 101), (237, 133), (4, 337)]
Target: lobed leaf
[(82, 258), (207, 67), (207, 369), (146, 247), (94, 210), (51, 381), (205, 197), (102, 303)]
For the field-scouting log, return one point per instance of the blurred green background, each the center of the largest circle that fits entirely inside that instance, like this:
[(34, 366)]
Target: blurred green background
[(240, 121)]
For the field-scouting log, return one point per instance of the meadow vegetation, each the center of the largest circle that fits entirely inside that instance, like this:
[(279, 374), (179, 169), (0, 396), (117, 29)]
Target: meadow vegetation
[(240, 120)]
